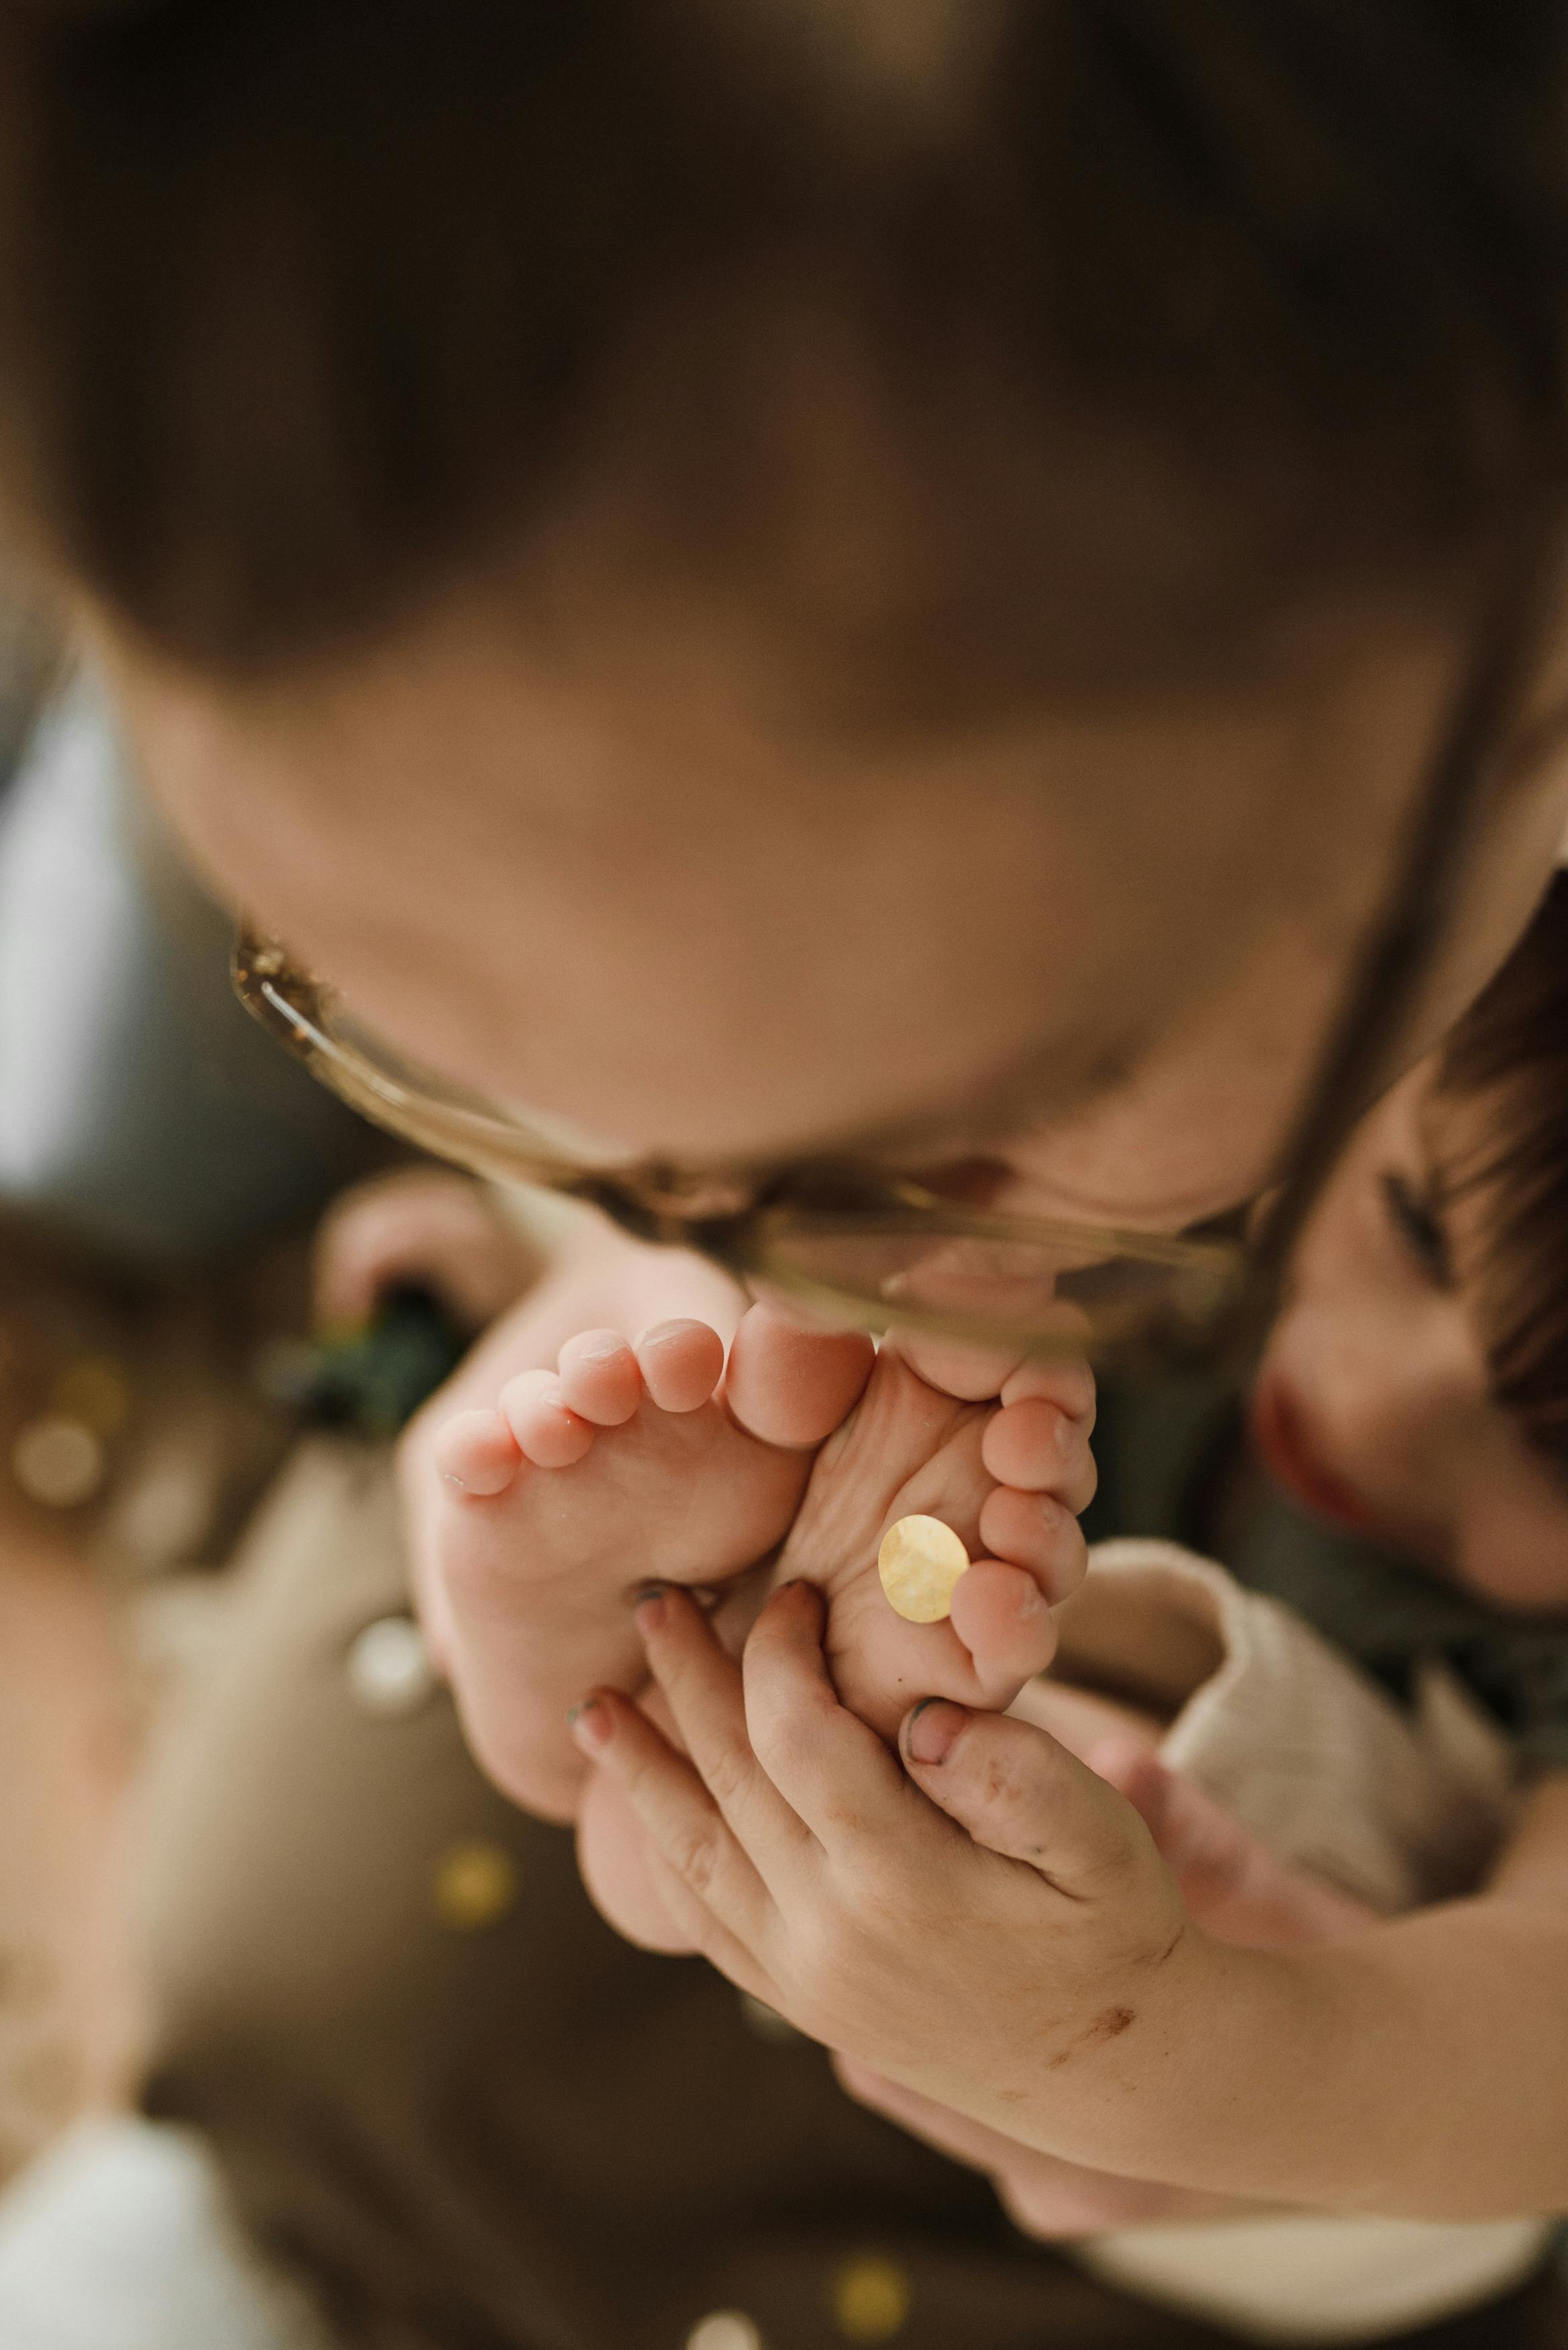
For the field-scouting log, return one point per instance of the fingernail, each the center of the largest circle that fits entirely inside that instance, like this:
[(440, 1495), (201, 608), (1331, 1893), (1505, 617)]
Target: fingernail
[(932, 1730), (647, 1607), (591, 1724)]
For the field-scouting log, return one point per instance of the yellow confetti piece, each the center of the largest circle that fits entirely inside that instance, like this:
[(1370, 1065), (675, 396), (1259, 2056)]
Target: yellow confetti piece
[(920, 1562), (96, 1390), (476, 1886), (870, 2300)]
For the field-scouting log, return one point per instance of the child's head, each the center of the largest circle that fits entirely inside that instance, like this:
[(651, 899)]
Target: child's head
[(1416, 1384)]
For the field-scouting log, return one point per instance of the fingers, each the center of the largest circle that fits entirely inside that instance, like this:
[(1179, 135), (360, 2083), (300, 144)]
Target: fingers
[(834, 1773), (792, 1385), (786, 1762), (1015, 1790), (716, 1898), (437, 1229), (701, 1686), (624, 1877)]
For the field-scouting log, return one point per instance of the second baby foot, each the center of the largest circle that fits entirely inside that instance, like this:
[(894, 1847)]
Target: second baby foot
[(625, 1464), (1008, 1474)]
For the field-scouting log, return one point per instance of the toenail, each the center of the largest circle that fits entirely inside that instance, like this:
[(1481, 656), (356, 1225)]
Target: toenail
[(591, 1724), (932, 1730)]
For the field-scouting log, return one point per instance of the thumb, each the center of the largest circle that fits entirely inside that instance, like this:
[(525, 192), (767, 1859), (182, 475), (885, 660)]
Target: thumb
[(1019, 1793)]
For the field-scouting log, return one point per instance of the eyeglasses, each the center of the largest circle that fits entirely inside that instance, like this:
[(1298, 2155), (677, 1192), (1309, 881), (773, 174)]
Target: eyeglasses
[(853, 1246)]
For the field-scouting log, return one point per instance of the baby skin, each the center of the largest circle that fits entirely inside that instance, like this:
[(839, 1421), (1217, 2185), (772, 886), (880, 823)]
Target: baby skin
[(588, 1467), (629, 1464)]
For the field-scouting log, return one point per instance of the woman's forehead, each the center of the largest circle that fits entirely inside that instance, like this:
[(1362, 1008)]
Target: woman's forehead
[(706, 936)]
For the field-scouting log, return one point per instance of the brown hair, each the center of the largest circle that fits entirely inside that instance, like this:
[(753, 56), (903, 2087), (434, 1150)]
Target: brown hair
[(1506, 1063), (1183, 307)]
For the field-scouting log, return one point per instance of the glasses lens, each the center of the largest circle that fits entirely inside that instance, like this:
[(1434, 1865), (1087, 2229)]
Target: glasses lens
[(1120, 1298), (1132, 1300), (418, 1103)]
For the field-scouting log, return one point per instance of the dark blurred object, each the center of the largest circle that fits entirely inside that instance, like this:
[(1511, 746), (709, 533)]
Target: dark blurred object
[(368, 1381)]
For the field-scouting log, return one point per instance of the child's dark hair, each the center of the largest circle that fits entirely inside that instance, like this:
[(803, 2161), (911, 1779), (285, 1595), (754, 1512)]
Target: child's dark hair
[(1506, 1065), (1178, 310)]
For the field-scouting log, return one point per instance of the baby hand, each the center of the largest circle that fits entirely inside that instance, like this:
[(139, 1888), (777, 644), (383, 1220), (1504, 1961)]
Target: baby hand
[(419, 1228), (1044, 1983)]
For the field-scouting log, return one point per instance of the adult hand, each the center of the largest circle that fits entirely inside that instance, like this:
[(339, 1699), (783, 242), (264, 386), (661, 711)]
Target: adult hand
[(1232, 1883), (1045, 1982)]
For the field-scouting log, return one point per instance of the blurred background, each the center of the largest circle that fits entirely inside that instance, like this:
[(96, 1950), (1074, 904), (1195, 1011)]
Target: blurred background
[(160, 1165)]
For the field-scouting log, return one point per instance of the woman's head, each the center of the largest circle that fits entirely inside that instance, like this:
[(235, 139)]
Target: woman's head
[(743, 573), (976, 343), (1416, 1385)]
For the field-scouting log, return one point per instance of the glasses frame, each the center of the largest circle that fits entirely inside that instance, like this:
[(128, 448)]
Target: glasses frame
[(727, 1213)]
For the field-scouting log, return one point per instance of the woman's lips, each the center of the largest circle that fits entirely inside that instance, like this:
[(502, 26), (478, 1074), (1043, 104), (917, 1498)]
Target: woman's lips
[(1286, 1447)]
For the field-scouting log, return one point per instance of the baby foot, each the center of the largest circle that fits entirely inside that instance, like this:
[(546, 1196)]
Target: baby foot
[(1009, 1474), (1007, 1469), (624, 1465)]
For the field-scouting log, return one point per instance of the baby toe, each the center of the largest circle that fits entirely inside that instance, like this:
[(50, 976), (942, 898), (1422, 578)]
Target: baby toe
[(599, 1377), (1037, 1531), (1035, 1447), (1070, 1385), (790, 1386), (973, 1374), (550, 1435), (477, 1451), (680, 1364), (1000, 1613)]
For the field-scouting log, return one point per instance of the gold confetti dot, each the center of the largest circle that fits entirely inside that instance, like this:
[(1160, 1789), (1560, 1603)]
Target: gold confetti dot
[(59, 1463), (475, 1885), (870, 2300), (920, 1562), (94, 1390)]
